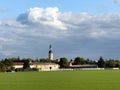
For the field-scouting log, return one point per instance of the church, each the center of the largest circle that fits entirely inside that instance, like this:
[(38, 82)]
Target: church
[(40, 66), (50, 54)]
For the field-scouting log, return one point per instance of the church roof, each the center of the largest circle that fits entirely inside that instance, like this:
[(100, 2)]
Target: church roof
[(39, 63)]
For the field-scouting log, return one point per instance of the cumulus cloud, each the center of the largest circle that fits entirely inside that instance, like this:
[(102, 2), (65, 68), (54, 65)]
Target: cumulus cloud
[(48, 16), (92, 25), (71, 34), (95, 26)]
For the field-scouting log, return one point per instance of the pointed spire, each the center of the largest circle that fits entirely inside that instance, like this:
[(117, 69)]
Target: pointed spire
[(50, 47)]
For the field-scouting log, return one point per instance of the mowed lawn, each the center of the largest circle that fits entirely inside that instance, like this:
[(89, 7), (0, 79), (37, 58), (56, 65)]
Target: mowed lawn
[(61, 80)]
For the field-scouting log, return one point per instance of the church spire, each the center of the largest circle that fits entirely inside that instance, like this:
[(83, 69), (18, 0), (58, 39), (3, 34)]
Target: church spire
[(50, 53), (50, 47)]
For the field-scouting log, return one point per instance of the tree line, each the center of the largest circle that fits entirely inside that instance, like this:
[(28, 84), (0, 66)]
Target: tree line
[(101, 62), (7, 63)]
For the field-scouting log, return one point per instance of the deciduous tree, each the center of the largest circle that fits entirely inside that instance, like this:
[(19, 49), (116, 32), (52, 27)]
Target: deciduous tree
[(101, 62), (26, 64), (63, 62)]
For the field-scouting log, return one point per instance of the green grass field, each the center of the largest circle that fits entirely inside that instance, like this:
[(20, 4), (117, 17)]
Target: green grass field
[(61, 80)]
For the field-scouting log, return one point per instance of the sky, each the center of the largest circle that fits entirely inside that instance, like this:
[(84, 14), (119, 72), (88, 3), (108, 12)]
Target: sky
[(85, 28)]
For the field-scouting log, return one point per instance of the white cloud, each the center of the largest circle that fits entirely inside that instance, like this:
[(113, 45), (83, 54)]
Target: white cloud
[(97, 26), (48, 16), (70, 33)]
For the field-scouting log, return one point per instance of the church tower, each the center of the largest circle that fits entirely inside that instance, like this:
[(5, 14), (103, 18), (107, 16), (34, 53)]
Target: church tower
[(50, 53)]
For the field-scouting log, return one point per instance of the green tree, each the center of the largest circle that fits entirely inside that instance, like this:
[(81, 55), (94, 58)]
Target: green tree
[(55, 61), (8, 62), (112, 64), (101, 62), (79, 61), (43, 60), (26, 64), (63, 62), (2, 67)]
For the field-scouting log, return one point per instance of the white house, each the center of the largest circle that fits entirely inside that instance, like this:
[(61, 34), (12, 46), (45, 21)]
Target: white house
[(38, 65)]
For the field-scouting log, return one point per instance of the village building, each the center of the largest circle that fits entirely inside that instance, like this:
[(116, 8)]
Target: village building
[(39, 65), (18, 64), (45, 66), (72, 66)]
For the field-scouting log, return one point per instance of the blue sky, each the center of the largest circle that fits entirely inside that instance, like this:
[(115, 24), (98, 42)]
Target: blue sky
[(14, 7), (86, 28)]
